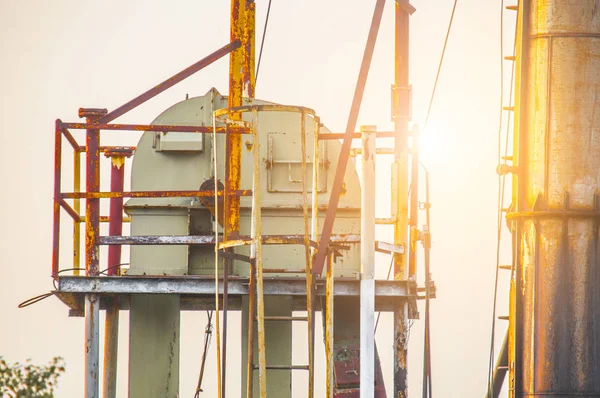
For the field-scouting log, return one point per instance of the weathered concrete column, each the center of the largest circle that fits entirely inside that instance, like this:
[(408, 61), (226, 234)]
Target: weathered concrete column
[(154, 345)]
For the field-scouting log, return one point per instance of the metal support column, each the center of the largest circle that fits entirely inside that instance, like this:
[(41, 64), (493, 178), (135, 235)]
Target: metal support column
[(92, 346), (241, 83), (401, 116), (308, 261), (92, 254), (115, 228), (367, 254), (329, 285)]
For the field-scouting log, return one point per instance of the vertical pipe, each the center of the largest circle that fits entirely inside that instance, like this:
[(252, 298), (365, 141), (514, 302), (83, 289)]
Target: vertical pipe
[(307, 259), (251, 316), (216, 269), (115, 225), (367, 263), (256, 255), (92, 346), (92, 221), (56, 204), (92, 185), (314, 231), (77, 208), (226, 264), (241, 82), (111, 347), (427, 385), (314, 236), (499, 370), (329, 298), (115, 228), (233, 145), (249, 39), (400, 175), (414, 203)]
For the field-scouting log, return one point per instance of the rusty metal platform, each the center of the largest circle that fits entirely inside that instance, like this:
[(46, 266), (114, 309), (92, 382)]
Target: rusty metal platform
[(198, 292)]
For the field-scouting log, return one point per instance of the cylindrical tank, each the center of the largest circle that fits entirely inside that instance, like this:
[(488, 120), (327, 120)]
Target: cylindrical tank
[(555, 301)]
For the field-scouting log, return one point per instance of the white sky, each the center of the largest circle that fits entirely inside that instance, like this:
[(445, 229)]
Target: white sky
[(61, 55)]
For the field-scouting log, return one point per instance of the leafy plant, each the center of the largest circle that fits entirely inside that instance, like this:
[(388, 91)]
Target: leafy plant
[(30, 381)]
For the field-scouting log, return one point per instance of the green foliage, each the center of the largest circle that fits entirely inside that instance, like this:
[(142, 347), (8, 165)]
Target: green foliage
[(28, 380)]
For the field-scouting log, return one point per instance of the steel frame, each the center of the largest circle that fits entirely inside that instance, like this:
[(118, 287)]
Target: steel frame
[(96, 288)]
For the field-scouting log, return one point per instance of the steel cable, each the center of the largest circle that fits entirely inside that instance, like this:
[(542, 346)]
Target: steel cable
[(437, 75), (207, 337), (262, 42)]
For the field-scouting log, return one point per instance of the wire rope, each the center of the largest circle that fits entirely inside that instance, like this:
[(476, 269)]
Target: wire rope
[(437, 75), (262, 43)]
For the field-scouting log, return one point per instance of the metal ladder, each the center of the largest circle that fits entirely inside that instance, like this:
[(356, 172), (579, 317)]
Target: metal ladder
[(257, 273), (256, 305)]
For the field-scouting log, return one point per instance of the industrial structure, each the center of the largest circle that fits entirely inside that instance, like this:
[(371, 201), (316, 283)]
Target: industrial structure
[(239, 204)]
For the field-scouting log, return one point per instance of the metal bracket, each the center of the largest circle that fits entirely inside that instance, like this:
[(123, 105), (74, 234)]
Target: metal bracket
[(402, 101), (388, 248), (406, 6)]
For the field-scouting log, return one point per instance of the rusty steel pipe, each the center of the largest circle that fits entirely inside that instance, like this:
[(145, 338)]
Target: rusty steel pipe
[(150, 194), (241, 82), (216, 265), (401, 107), (170, 82), (233, 143), (92, 184), (115, 228), (248, 42), (76, 211), (92, 254), (56, 203), (329, 332), (414, 204), (555, 338), (150, 127), (340, 170), (104, 149)]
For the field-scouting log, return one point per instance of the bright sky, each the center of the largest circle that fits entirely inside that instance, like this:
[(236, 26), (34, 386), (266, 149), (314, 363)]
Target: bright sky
[(61, 55)]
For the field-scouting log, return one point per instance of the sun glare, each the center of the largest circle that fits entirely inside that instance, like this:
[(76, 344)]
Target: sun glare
[(434, 144)]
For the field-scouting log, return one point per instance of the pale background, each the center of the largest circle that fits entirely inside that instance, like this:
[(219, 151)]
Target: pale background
[(56, 56)]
